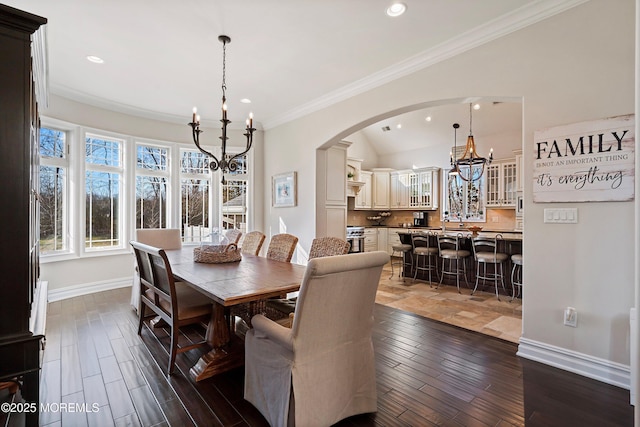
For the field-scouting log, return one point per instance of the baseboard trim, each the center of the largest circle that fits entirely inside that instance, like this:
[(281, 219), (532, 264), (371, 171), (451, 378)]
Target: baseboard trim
[(582, 364), (88, 288)]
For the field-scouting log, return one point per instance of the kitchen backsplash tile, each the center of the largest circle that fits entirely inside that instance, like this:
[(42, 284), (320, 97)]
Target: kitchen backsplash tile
[(497, 219)]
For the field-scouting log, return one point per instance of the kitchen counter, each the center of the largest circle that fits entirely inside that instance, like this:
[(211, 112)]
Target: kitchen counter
[(506, 235)]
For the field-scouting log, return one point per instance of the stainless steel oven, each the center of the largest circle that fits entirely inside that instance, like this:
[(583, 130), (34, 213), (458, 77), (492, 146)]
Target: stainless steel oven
[(519, 205), (355, 237)]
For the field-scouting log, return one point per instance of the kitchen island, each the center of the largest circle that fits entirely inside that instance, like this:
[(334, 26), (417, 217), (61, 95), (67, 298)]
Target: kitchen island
[(508, 242)]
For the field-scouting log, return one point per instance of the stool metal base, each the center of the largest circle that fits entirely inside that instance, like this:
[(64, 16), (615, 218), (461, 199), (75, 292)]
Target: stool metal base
[(493, 277), (455, 272), (402, 264), (516, 280)]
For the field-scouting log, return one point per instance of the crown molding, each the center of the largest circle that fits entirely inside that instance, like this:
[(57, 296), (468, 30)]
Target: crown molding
[(83, 98), (492, 30)]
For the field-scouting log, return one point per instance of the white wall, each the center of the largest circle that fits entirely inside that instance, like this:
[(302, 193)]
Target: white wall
[(576, 66), (96, 271), (362, 149)]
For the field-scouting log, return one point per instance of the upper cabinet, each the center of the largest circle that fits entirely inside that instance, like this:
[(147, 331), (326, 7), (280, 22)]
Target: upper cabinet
[(400, 189), (502, 185), (384, 188), (423, 185), (381, 186), (363, 199)]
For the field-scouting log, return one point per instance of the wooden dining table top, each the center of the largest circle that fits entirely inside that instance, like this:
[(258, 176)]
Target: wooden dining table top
[(251, 279)]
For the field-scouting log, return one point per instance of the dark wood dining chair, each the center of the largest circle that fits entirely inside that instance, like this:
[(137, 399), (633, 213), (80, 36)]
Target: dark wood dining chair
[(176, 303)]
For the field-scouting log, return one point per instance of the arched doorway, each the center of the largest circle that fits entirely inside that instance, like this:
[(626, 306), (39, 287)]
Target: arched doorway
[(498, 125)]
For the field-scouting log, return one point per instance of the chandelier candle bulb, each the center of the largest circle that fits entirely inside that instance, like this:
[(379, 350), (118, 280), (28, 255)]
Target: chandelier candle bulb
[(195, 110)]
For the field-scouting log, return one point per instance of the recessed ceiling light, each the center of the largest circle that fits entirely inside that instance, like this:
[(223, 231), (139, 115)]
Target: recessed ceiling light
[(396, 9), (476, 106), (428, 118), (245, 101), (95, 59), (399, 125)]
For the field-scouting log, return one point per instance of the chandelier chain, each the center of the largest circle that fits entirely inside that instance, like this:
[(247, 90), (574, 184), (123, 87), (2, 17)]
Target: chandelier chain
[(224, 68)]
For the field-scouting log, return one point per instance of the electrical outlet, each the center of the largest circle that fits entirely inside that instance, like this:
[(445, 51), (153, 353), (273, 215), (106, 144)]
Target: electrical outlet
[(570, 317)]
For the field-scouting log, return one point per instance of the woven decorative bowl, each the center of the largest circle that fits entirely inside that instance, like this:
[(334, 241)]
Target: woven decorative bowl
[(474, 229), (217, 254)]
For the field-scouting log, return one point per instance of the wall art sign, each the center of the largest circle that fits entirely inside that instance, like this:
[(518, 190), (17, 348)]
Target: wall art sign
[(590, 161)]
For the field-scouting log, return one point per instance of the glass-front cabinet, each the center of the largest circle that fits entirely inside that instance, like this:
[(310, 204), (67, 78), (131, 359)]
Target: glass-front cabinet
[(423, 188), (502, 183)]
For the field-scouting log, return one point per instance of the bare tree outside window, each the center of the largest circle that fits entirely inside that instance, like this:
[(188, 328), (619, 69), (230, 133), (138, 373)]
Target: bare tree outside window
[(151, 186), (52, 192), (195, 196), (103, 187)]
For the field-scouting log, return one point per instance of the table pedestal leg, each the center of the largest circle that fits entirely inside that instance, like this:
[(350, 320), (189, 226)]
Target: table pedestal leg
[(226, 354)]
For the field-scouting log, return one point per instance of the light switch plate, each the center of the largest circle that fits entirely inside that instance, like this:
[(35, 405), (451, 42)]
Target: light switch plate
[(561, 216)]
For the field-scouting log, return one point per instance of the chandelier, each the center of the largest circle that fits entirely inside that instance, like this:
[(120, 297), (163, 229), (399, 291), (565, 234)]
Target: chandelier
[(470, 166), (227, 162)]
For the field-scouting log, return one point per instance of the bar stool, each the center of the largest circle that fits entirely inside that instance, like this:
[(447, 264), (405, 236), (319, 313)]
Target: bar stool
[(485, 252), (516, 275), (400, 250), (449, 249), (422, 249)]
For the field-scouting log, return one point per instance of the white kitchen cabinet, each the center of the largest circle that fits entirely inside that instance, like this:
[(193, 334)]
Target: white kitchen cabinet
[(364, 200), (383, 237), (370, 239), (502, 186), (381, 183), (423, 188), (519, 171), (393, 238), (399, 191)]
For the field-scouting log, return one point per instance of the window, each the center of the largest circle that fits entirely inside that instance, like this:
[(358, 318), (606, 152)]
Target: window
[(464, 201), (233, 207), (195, 196), (54, 171), (103, 189), (152, 175)]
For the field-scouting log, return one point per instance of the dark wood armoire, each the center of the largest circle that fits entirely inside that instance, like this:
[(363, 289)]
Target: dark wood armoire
[(22, 297)]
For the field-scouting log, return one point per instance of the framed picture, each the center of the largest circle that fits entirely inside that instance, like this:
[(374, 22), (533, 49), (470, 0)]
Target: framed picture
[(283, 190)]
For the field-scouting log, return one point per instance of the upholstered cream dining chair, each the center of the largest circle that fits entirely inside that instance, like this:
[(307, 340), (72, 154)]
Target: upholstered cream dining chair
[(324, 365), (164, 238), (281, 308)]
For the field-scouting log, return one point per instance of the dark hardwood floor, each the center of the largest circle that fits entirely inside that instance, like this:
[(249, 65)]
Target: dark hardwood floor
[(429, 373)]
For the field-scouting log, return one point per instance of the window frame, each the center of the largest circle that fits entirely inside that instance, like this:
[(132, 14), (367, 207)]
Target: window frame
[(166, 174), (68, 203), (123, 207), (206, 174), (75, 190)]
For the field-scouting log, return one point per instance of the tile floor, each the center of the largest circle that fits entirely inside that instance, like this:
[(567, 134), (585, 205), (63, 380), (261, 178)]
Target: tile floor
[(481, 312)]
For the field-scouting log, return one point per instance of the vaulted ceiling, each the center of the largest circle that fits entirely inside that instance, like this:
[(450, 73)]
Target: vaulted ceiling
[(289, 57)]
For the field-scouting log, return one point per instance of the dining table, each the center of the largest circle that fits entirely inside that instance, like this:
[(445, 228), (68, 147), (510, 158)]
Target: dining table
[(250, 280)]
